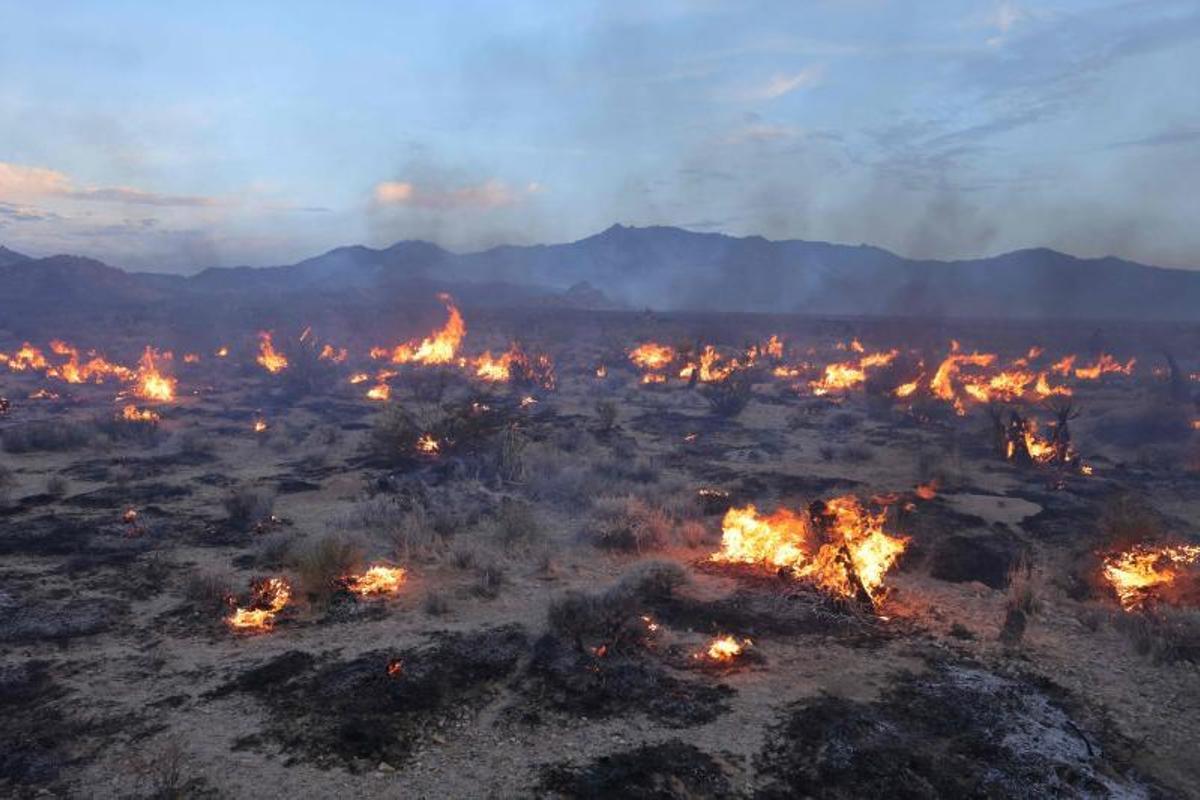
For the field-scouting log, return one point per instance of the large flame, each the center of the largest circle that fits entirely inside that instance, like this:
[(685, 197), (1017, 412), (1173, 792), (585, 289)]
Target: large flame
[(271, 359), (1104, 365), (651, 355), (151, 383), (856, 553), (440, 347), (1138, 575), (843, 375)]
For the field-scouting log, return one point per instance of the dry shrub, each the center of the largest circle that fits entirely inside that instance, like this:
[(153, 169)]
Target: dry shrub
[(164, 771), (46, 436), (490, 577), (415, 536), (57, 486), (510, 451), (516, 524), (729, 397), (208, 592), (606, 415), (1165, 634), (8, 480), (246, 506), (435, 604), (321, 565), (1128, 519), (630, 524), (613, 616)]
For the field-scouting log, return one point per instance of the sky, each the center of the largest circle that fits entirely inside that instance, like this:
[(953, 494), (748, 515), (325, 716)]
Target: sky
[(177, 136)]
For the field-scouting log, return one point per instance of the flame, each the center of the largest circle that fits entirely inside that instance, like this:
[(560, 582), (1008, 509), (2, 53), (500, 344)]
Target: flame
[(708, 371), (94, 370), (858, 551), (440, 347), (132, 413), (377, 580), (1139, 573), (1104, 365), (222, 352), (908, 389), (844, 375), (271, 359), (43, 394), (601, 371), (380, 391), (1043, 388), (428, 445), (359, 377), (942, 384), (267, 598), (515, 363), (260, 425), (191, 358), (654, 377), (651, 355), (328, 353), (725, 649), (152, 384), (395, 668)]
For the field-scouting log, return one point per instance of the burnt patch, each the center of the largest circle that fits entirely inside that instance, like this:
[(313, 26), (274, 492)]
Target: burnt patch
[(33, 736), (605, 683), (43, 621), (51, 535), (380, 706), (956, 732), (672, 769), (136, 495), (987, 558)]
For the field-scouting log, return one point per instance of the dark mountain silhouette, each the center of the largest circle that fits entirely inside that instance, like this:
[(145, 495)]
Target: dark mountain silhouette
[(10, 257), (671, 269)]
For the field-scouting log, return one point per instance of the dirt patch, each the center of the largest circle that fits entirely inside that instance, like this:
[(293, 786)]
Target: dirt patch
[(672, 769)]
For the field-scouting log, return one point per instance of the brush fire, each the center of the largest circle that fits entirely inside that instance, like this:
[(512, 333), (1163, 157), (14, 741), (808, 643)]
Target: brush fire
[(378, 580), (1146, 575), (724, 650), (838, 546), (268, 597)]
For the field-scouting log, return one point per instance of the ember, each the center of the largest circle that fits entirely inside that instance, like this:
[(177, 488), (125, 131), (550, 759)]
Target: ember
[(428, 445), (377, 580), (395, 668), (267, 598), (260, 425)]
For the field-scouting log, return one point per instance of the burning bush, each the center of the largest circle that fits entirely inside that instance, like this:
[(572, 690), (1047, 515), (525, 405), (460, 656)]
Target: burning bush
[(613, 618)]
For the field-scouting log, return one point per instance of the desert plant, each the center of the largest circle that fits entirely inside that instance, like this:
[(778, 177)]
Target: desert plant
[(729, 397), (246, 506), (613, 616), (49, 435), (208, 592), (606, 415), (56, 486), (323, 563), (516, 523), (490, 577), (629, 523), (510, 449)]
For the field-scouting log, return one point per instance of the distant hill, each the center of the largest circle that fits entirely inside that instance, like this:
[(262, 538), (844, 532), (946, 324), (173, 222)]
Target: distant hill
[(670, 269)]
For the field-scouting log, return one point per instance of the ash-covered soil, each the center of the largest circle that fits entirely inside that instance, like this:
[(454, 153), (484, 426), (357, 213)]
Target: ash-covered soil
[(550, 636)]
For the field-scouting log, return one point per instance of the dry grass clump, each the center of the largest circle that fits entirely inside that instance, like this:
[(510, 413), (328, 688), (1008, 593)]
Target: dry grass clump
[(516, 524), (1167, 635), (323, 563), (613, 616), (8, 480), (207, 592), (46, 436), (1128, 519), (729, 397), (630, 524), (246, 506)]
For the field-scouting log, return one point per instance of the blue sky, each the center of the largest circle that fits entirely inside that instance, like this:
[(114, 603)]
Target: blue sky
[(174, 136)]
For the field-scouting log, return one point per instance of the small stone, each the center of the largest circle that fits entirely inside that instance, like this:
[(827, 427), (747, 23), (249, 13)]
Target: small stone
[(385, 767)]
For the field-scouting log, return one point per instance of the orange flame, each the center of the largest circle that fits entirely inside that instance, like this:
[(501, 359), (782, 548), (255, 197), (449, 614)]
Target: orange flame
[(132, 413), (380, 391), (152, 384), (725, 649), (377, 580), (651, 355), (440, 347), (1105, 365), (428, 445), (267, 599), (271, 359), (1139, 573), (858, 551)]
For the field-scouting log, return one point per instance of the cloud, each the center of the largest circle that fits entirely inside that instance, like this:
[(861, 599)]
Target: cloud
[(779, 85), (490, 194), (1162, 138), (15, 212), (761, 133), (19, 181)]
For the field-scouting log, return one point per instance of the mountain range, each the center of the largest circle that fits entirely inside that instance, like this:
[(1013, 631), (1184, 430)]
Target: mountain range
[(663, 268)]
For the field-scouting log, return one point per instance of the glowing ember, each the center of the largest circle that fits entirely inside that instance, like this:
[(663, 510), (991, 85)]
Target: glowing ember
[(191, 358), (377, 580), (152, 384), (843, 550), (132, 413), (267, 598), (528, 401), (395, 668), (380, 391), (1144, 573), (271, 359), (43, 394), (654, 377), (927, 491), (725, 649), (222, 352), (130, 516), (337, 356), (260, 425), (439, 347), (428, 445), (601, 371)]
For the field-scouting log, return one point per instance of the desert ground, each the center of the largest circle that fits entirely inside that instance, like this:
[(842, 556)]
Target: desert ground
[(184, 611)]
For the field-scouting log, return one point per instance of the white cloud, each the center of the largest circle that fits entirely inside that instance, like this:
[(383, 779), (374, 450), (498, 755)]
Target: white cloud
[(22, 182), (781, 84), (487, 195)]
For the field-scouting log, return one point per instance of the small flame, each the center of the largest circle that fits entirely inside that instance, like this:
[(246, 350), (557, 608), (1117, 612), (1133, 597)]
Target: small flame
[(725, 649), (377, 580), (359, 377), (395, 668), (927, 491), (428, 445), (132, 413), (267, 599), (260, 425), (1105, 365), (222, 352), (380, 391), (1140, 573)]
